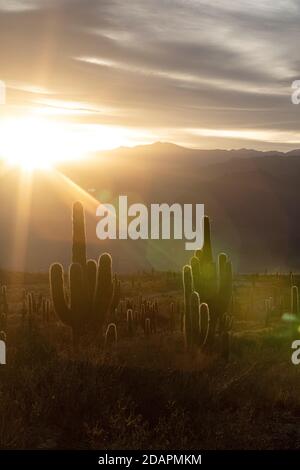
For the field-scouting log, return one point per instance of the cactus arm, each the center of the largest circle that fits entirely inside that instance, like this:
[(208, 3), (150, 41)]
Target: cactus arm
[(195, 318), (207, 255), (91, 277), (104, 290), (58, 293), (195, 265), (188, 288), (78, 297), (204, 324)]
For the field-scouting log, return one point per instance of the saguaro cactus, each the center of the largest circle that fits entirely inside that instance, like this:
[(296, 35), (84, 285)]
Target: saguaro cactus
[(188, 289), (90, 285), (79, 235), (214, 285)]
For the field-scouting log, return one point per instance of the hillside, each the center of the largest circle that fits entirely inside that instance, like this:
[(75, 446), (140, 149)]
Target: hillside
[(251, 196)]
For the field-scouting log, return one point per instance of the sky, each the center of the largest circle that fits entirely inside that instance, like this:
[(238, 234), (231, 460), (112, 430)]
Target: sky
[(195, 72)]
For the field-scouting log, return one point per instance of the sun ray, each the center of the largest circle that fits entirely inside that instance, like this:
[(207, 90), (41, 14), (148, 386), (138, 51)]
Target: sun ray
[(22, 219)]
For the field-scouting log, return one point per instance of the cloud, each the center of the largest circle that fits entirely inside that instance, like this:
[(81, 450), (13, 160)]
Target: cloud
[(157, 64)]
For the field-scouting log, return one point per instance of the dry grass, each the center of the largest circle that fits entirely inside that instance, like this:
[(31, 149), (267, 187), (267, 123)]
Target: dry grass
[(147, 394)]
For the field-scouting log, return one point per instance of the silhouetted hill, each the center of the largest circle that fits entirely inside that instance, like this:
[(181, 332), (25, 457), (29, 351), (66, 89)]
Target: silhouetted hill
[(252, 197)]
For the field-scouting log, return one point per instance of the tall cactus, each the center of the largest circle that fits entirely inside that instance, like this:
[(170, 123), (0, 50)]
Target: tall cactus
[(294, 300), (79, 235), (215, 284), (212, 283), (90, 284)]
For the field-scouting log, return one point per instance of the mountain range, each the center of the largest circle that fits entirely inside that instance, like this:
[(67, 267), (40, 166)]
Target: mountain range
[(252, 198)]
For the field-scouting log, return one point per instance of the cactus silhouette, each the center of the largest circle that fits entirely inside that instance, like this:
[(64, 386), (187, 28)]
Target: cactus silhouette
[(116, 294), (204, 324), (90, 285), (294, 300), (111, 335), (147, 327), (188, 289), (195, 319), (213, 284), (130, 322)]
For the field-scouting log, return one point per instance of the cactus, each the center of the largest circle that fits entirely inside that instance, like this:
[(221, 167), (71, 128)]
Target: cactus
[(153, 316), (79, 236), (111, 335), (267, 311), (207, 293), (90, 284), (116, 294), (188, 289), (200, 323), (30, 304), (195, 320), (213, 285), (130, 322), (294, 300), (204, 324), (147, 327)]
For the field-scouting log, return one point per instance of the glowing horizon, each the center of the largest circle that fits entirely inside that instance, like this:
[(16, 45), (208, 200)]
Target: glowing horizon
[(35, 141)]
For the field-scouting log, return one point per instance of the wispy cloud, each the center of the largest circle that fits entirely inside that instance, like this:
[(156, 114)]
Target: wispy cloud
[(158, 65)]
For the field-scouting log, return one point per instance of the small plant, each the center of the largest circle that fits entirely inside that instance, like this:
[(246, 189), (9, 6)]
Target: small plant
[(294, 300), (130, 322), (147, 328), (111, 335)]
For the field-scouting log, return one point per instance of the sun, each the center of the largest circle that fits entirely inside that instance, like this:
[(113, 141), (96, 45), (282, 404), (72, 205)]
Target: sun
[(34, 143)]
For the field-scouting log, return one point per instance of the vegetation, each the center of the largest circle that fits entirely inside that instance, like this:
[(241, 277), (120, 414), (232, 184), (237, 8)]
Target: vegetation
[(158, 361)]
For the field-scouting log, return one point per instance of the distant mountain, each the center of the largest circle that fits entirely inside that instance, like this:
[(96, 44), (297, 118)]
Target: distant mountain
[(253, 199)]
